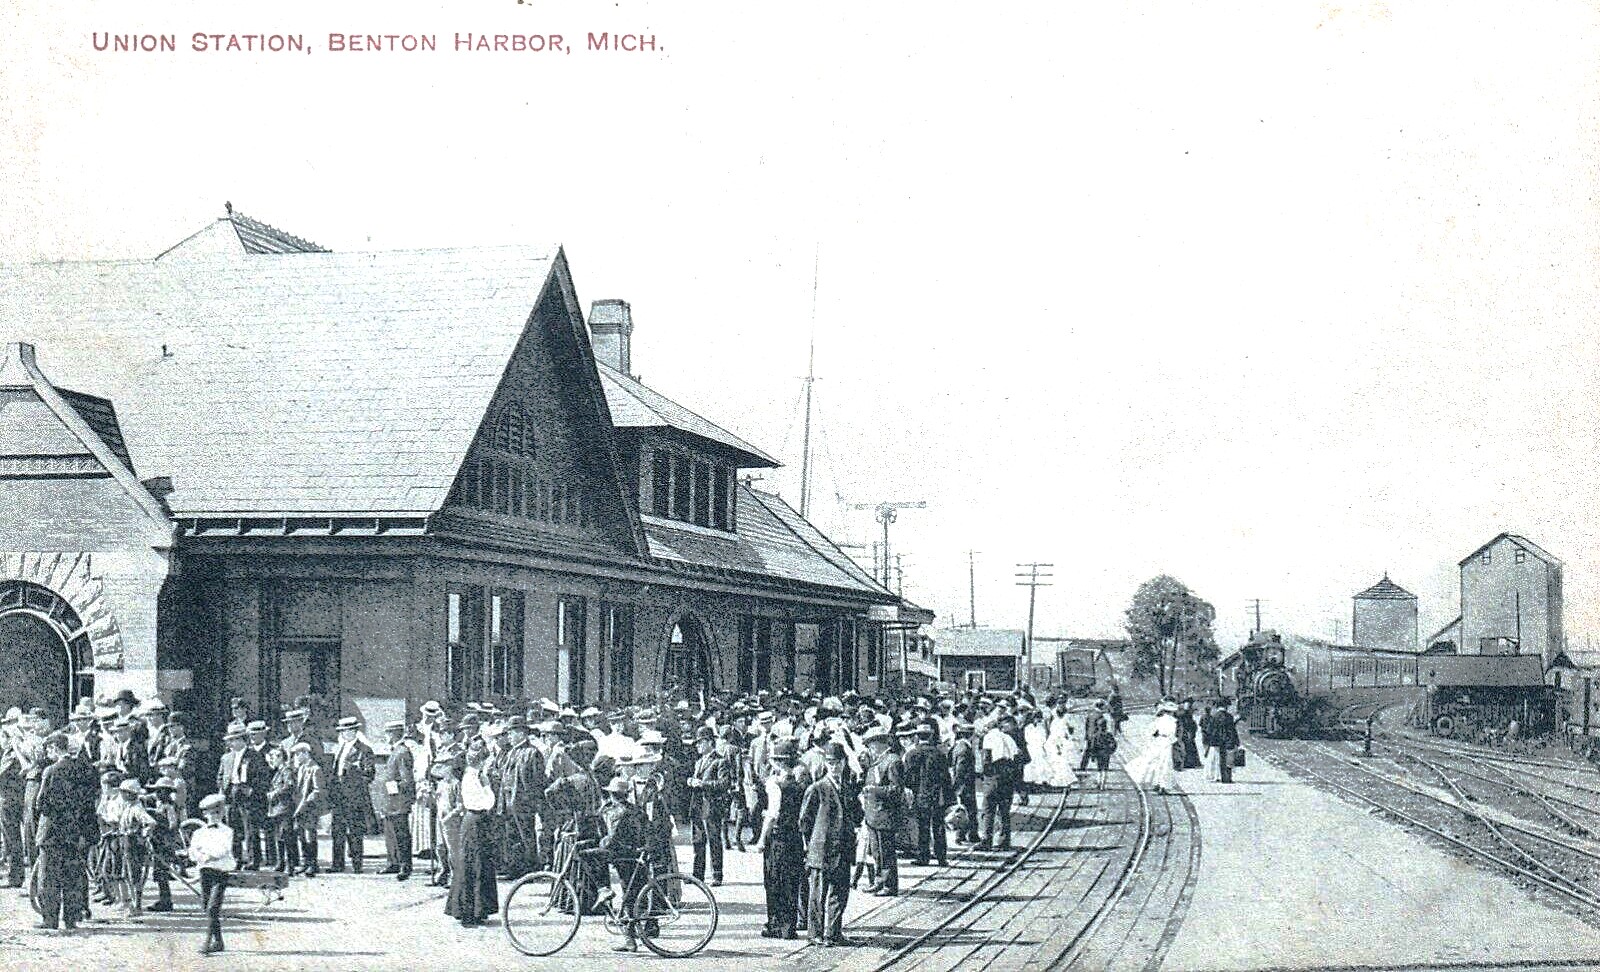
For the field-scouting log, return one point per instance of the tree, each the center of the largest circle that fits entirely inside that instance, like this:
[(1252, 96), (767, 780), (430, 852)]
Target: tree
[(1169, 623)]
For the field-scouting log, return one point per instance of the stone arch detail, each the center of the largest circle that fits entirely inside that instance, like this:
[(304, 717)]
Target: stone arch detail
[(69, 575), (708, 642)]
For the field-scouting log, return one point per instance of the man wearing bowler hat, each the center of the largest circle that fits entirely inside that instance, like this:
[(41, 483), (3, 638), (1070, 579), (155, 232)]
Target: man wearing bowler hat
[(710, 788), (828, 820), (522, 784)]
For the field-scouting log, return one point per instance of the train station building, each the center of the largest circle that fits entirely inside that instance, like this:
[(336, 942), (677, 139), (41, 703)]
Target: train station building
[(253, 467)]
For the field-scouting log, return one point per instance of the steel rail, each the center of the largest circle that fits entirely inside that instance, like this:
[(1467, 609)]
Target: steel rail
[(1466, 804), (1069, 955), (1584, 898), (899, 954), (1507, 781), (1410, 788)]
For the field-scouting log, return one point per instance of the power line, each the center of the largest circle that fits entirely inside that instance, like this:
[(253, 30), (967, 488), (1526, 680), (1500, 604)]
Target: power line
[(1037, 576), (972, 589)]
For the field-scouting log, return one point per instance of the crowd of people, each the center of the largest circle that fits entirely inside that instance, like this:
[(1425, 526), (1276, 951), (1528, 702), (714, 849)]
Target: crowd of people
[(831, 791), (1184, 737)]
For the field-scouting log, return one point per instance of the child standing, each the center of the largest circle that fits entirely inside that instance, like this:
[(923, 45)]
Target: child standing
[(447, 801), (280, 812), (309, 803), (134, 825), (211, 850)]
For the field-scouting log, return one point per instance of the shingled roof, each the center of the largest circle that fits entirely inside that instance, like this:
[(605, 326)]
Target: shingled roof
[(636, 405), (772, 541), (301, 382), (1386, 590)]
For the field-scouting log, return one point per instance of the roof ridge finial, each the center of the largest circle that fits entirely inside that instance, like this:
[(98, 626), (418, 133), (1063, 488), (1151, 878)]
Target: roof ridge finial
[(228, 206)]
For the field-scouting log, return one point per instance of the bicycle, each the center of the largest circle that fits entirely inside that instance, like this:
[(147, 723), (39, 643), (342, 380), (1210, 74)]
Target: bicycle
[(674, 915), (270, 884)]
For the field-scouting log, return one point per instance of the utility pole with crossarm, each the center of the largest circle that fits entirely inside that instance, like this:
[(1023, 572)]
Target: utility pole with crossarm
[(1036, 576), (886, 513)]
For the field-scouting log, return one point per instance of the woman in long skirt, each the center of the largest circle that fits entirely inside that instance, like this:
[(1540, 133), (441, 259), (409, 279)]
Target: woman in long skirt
[(473, 894), (1153, 766), (1058, 752), (1037, 770)]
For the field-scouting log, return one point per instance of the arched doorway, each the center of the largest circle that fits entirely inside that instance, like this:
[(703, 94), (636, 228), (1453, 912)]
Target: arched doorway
[(44, 651), (688, 659)]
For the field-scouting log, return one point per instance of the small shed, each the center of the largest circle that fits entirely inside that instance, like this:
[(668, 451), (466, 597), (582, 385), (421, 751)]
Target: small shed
[(1483, 694), (980, 659)]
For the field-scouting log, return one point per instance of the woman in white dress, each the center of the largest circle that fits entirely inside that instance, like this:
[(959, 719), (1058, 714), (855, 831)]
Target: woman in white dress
[(1058, 750), (1153, 766), (1037, 770)]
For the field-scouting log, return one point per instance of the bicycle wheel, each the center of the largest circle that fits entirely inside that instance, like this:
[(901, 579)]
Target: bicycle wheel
[(677, 915), (533, 917)]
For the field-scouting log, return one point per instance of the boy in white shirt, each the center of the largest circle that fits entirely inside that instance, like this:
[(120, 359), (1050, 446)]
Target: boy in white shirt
[(211, 850)]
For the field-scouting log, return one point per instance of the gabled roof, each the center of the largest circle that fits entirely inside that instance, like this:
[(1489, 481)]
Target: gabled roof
[(635, 405), (994, 642), (1386, 590), (291, 383), (75, 437), (771, 541), (238, 233), (1520, 541)]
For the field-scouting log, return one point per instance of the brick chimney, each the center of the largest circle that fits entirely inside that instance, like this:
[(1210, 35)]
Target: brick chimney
[(611, 333)]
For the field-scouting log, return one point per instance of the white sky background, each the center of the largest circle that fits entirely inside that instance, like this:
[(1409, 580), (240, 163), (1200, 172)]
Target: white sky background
[(1271, 296)]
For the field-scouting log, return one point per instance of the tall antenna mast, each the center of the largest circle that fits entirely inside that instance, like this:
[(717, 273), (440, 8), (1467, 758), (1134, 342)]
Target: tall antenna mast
[(811, 378)]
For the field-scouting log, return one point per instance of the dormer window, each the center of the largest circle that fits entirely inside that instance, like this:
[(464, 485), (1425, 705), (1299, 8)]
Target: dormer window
[(689, 488)]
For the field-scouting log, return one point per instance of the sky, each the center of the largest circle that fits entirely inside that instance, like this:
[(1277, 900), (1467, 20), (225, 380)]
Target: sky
[(1273, 297)]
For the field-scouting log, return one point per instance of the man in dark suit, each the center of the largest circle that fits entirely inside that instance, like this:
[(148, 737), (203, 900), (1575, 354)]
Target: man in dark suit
[(399, 793), (710, 788), (157, 735), (522, 785), (964, 778), (254, 802), (350, 793), (126, 704), (1222, 733), (881, 799), (927, 774), (67, 825), (828, 820), (133, 758), (244, 784)]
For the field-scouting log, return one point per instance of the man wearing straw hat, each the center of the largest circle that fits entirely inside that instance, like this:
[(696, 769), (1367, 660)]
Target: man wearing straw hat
[(399, 793), (349, 796)]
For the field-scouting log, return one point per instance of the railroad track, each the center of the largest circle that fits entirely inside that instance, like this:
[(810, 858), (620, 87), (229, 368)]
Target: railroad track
[(1491, 767), (1104, 883), (1535, 871), (901, 954)]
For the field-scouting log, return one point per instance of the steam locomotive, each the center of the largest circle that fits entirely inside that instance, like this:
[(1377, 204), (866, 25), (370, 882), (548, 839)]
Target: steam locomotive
[(1269, 703)]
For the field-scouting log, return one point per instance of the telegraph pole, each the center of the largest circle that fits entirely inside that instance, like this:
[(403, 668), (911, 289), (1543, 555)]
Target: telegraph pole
[(1037, 576), (811, 379), (886, 513), (972, 590)]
